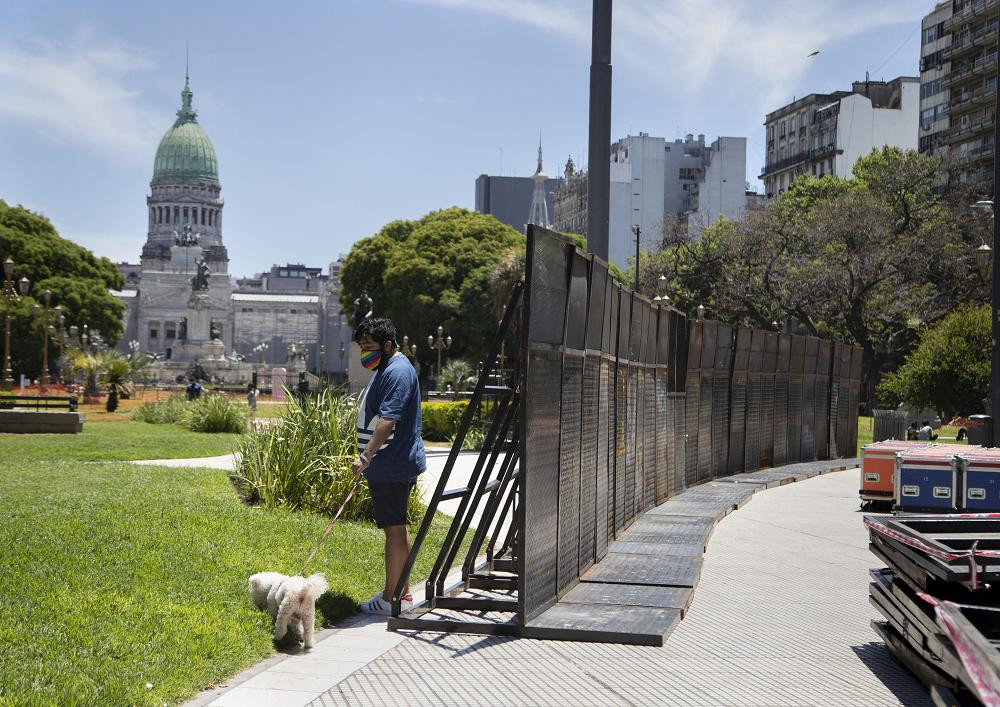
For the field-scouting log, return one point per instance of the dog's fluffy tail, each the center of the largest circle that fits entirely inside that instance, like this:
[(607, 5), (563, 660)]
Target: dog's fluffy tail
[(318, 584)]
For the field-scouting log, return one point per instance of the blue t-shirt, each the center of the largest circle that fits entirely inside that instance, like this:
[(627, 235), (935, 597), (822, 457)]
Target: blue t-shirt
[(393, 393)]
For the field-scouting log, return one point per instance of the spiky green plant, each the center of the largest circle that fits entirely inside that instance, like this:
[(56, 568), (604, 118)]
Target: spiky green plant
[(303, 460), (116, 376), (161, 412), (215, 413)]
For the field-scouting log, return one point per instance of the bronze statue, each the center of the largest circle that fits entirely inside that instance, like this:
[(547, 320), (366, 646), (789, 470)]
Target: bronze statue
[(363, 308), (200, 280), (184, 329), (214, 331)]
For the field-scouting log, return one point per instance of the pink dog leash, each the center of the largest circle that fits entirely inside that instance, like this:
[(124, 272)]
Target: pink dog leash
[(329, 526)]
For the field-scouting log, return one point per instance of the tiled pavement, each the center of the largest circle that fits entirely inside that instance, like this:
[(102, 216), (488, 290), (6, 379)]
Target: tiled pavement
[(780, 617)]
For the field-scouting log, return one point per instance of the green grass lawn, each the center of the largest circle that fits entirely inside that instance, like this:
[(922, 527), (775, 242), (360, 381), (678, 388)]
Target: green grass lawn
[(116, 440), (116, 575)]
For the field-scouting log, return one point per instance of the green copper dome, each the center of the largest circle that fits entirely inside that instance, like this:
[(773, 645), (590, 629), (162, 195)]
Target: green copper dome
[(185, 152)]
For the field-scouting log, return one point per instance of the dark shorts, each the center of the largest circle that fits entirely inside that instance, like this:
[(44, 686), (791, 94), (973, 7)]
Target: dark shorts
[(391, 499)]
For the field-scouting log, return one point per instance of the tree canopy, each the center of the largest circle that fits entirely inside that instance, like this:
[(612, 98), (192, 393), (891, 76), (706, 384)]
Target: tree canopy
[(868, 260), (440, 270), (78, 279), (949, 371)]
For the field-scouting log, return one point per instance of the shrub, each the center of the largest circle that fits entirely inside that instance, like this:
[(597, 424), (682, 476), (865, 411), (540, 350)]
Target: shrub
[(440, 420), (161, 412), (303, 461), (215, 413), (474, 439), (949, 371)]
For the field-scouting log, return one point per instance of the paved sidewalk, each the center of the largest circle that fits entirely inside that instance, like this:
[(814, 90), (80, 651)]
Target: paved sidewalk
[(780, 617), (436, 459)]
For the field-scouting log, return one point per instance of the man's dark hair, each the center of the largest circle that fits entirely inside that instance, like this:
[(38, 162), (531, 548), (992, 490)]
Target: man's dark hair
[(381, 330)]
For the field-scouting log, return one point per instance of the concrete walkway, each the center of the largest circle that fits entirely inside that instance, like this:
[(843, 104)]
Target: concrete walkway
[(780, 617), (436, 459)]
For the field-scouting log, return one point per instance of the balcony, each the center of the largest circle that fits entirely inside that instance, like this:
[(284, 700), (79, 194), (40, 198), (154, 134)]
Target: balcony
[(972, 69), (812, 155), (969, 101), (967, 41), (964, 132), (971, 10)]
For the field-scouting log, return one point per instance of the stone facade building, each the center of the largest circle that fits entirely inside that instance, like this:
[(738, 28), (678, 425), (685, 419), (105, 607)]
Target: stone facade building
[(653, 181), (182, 303), (826, 133)]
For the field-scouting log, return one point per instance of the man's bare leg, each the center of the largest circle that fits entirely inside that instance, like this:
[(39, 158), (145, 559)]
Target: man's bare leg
[(397, 549)]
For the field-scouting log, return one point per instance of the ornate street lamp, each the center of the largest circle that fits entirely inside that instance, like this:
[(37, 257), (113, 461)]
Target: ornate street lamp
[(48, 318), (439, 343), (409, 350), (10, 297)]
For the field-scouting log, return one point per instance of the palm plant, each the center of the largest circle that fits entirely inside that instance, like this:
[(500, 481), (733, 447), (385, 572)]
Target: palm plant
[(88, 367), (116, 375), (458, 374)]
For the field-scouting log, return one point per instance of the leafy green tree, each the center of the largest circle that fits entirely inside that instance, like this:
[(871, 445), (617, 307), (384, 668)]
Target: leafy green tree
[(949, 371), (868, 260), (78, 279), (435, 271)]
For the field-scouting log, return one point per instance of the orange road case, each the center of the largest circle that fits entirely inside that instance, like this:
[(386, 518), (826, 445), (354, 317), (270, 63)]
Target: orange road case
[(878, 462)]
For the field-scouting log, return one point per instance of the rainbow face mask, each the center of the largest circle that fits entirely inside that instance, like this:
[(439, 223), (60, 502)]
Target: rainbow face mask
[(371, 359)]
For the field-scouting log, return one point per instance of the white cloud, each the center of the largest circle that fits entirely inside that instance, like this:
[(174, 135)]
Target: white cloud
[(77, 92), (736, 46)]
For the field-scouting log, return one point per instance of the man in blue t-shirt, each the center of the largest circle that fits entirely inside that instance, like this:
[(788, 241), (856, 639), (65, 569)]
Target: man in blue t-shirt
[(390, 449)]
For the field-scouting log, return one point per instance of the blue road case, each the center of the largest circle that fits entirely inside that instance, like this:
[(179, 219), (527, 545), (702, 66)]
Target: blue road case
[(980, 474), (926, 478)]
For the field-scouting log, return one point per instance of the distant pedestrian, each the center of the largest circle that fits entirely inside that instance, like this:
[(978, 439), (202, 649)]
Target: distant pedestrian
[(252, 399), (926, 432), (193, 389)]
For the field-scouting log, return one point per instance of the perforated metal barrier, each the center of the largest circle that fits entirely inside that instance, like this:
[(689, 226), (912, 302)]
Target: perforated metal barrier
[(618, 404)]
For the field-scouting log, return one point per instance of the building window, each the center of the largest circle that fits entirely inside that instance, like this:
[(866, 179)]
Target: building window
[(153, 333), (171, 333), (202, 217), (177, 214)]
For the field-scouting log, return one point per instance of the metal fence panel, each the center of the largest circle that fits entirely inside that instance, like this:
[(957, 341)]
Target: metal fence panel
[(540, 483), (796, 365), (720, 400), (569, 470), (854, 402), (769, 370), (589, 472), (808, 444), (738, 401), (836, 444), (632, 455), (649, 412), (693, 402), (755, 397), (677, 475), (547, 301), (603, 425), (823, 361), (780, 407), (707, 380), (621, 405), (844, 404)]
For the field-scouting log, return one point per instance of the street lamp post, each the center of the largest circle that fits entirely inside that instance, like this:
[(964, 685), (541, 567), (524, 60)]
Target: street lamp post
[(440, 343), (986, 260), (45, 315), (409, 350), (10, 296)]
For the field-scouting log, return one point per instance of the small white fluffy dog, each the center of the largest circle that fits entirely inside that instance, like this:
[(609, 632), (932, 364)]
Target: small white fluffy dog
[(289, 600)]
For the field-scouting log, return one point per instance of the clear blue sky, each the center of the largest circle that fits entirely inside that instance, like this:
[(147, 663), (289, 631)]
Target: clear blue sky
[(332, 118)]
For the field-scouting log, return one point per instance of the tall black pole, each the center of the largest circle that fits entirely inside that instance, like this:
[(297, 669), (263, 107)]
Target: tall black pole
[(599, 168), (637, 232), (995, 299)]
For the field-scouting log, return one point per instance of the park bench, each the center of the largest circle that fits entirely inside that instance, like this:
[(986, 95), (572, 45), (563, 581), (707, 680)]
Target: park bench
[(39, 402)]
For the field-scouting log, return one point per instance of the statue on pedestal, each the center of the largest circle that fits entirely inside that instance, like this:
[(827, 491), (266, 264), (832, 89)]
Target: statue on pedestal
[(199, 282), (363, 308)]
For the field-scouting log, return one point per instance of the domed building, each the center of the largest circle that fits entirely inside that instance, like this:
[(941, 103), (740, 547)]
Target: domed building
[(183, 305)]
